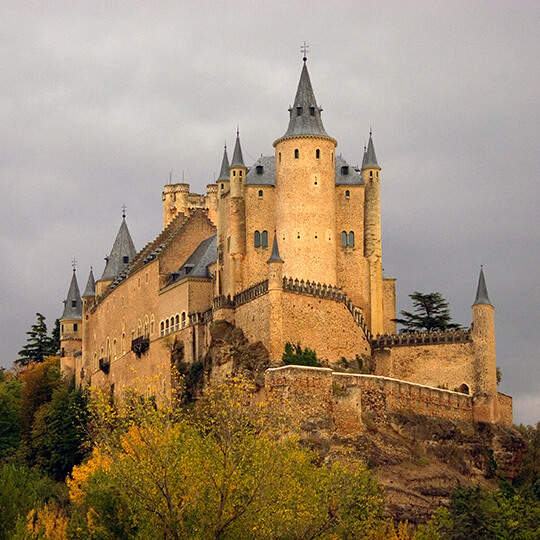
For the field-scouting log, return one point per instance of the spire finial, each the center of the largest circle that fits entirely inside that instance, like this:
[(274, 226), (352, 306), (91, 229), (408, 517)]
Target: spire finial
[(124, 208), (237, 131), (304, 50), (370, 130), (74, 264)]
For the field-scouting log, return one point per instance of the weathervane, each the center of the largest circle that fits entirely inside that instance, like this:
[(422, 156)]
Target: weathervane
[(124, 208), (304, 50), (74, 263)]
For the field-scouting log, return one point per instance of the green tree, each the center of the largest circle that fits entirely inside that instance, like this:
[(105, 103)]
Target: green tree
[(431, 312), (10, 409), (39, 344), (528, 481), (295, 355)]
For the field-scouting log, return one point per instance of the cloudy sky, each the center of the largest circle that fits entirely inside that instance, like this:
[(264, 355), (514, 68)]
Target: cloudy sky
[(101, 100)]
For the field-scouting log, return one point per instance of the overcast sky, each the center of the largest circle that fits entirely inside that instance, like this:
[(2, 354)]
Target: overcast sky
[(101, 100)]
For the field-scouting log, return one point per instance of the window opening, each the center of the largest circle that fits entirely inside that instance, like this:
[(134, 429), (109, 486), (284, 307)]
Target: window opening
[(259, 169), (296, 153), (264, 239), (257, 239), (343, 239), (347, 193), (260, 193), (351, 239), (317, 153), (312, 112)]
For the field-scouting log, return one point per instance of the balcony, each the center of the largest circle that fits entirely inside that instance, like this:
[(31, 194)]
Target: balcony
[(140, 345), (105, 365)]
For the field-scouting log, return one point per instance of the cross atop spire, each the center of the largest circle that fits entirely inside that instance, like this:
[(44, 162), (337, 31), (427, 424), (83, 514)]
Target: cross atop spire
[(74, 264), (124, 208), (304, 50)]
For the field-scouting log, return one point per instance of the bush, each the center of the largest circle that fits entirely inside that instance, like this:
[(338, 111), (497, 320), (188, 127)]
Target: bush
[(295, 355)]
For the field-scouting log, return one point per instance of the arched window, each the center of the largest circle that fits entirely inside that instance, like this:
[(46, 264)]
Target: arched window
[(347, 193), (260, 194), (257, 239), (162, 328), (264, 239), (350, 243), (317, 153), (167, 326), (152, 325), (183, 319), (123, 343), (146, 322), (177, 322), (343, 239), (95, 361), (464, 389), (371, 174), (114, 349), (296, 154)]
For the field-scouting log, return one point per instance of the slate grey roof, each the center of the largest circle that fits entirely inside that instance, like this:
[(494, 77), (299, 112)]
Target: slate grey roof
[(370, 159), (90, 289), (275, 257), (305, 114), (346, 175), (122, 248), (197, 263), (224, 171), (481, 292), (73, 302), (263, 172), (237, 158)]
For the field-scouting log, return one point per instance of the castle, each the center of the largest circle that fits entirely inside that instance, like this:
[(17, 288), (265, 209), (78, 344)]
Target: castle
[(288, 250)]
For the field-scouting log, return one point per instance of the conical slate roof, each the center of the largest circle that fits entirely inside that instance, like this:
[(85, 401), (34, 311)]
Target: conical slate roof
[(237, 158), (481, 293), (275, 257), (122, 253), (224, 171), (73, 302), (90, 289), (305, 115), (370, 159)]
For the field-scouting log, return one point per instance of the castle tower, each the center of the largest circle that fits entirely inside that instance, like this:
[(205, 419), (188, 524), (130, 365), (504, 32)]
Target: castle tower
[(305, 191), (483, 334), (372, 236), (174, 198), (237, 218), (223, 188), (89, 291), (122, 253), (275, 289), (71, 328), (211, 199)]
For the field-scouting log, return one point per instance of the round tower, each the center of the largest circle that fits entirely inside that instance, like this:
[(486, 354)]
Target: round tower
[(174, 198), (223, 188), (483, 335), (305, 191)]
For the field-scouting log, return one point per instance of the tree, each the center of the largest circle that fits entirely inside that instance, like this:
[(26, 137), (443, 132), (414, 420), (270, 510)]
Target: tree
[(39, 345), (10, 424), (430, 313), (295, 355), (222, 470)]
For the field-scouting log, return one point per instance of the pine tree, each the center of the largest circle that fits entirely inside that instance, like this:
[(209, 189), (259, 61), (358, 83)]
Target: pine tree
[(431, 312), (39, 344)]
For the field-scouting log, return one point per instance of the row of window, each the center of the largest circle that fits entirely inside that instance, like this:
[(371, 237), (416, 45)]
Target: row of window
[(260, 239), (297, 154), (168, 326), (347, 240)]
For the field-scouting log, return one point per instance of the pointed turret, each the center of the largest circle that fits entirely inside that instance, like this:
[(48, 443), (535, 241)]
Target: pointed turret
[(90, 289), (481, 292), (370, 159), (275, 257), (122, 253), (224, 171), (305, 114), (73, 302), (237, 159)]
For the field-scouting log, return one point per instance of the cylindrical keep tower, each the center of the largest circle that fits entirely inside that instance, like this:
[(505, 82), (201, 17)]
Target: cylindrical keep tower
[(305, 191)]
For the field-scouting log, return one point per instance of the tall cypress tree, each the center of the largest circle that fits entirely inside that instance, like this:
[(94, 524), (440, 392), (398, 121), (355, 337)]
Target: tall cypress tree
[(39, 344)]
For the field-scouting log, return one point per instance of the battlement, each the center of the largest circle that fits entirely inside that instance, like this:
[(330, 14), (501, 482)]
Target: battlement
[(461, 335)]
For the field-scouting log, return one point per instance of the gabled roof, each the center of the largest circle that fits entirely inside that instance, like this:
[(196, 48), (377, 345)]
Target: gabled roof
[(263, 172), (196, 265), (305, 114), (224, 171), (73, 302), (90, 289), (122, 253), (346, 175), (481, 292), (237, 158), (370, 159)]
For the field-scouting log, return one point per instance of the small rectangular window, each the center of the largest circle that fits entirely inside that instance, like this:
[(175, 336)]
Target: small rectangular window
[(75, 327), (312, 111)]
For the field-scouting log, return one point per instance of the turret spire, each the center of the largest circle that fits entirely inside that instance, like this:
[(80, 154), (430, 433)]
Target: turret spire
[(481, 292), (90, 289), (370, 159), (73, 303), (237, 159), (305, 114), (275, 257), (224, 171), (122, 253)]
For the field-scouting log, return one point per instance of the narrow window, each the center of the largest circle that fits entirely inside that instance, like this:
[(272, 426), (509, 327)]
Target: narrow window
[(62, 328), (75, 327), (125, 258), (343, 239), (317, 153), (264, 239), (260, 193), (74, 303), (345, 170), (123, 343), (239, 173), (166, 326), (371, 174), (280, 157), (298, 111), (257, 239), (177, 322), (296, 154), (222, 186), (312, 111), (234, 173), (351, 239), (347, 193), (259, 169), (162, 328), (183, 319)]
